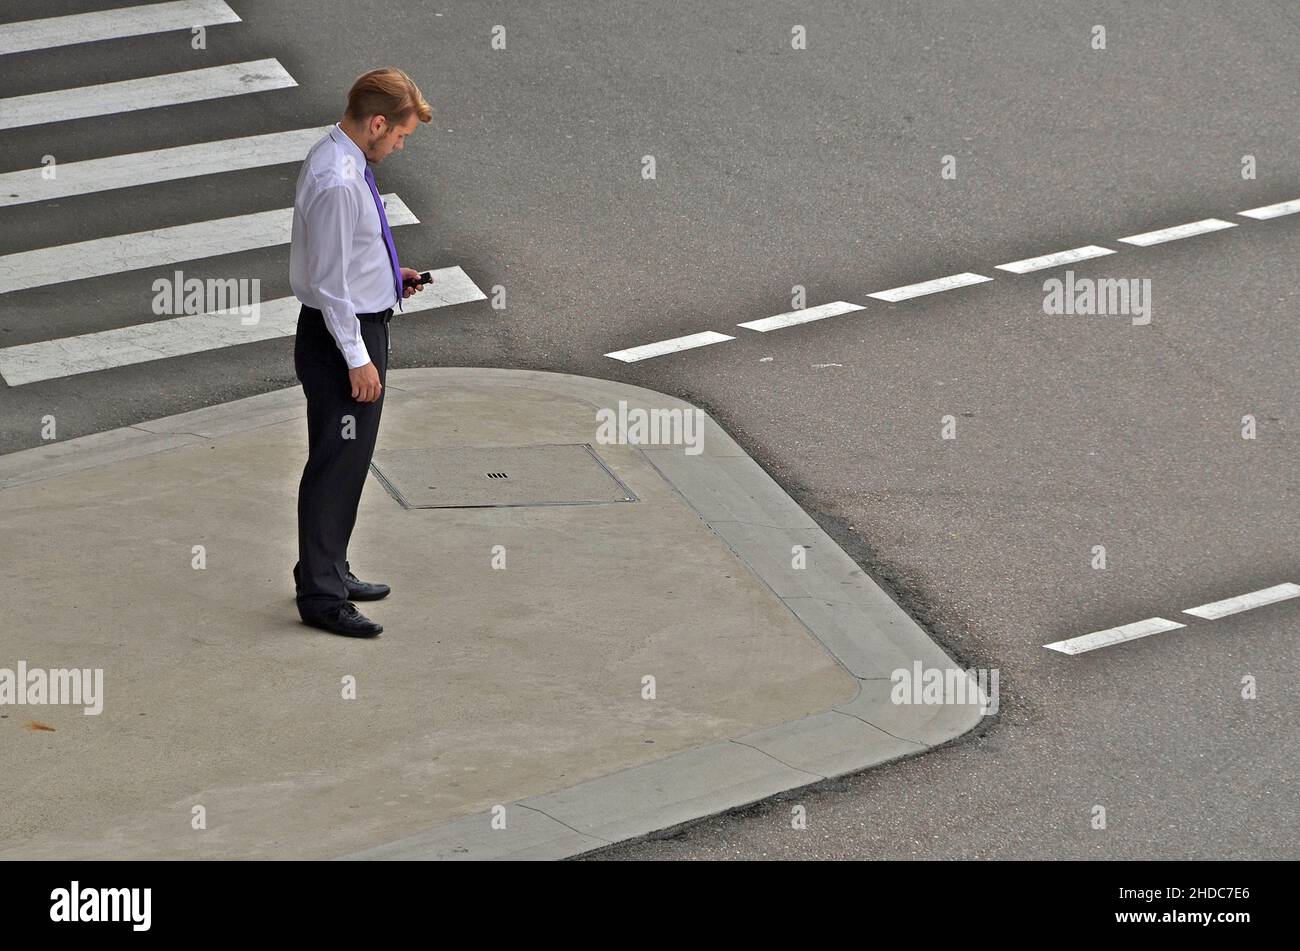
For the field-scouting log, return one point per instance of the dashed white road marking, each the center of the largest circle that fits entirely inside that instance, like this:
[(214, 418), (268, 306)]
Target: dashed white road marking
[(178, 336), (1273, 211), (1052, 260), (28, 35), (1245, 602), (149, 92), (676, 344), (930, 287), (953, 281), (801, 316), (158, 165), (1154, 625), (1148, 238), (129, 252), (1113, 635)]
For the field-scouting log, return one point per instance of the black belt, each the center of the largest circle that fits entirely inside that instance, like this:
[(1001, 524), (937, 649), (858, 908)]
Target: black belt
[(383, 317)]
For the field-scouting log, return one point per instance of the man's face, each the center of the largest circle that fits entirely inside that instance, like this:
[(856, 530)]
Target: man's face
[(384, 139)]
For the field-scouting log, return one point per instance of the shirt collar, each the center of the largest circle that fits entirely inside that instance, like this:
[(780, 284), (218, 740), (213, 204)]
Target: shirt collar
[(341, 137)]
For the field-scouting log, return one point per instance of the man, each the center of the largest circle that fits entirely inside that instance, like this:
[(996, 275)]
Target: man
[(343, 267)]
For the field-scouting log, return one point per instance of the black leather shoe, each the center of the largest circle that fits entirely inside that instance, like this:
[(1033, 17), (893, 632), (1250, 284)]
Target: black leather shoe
[(358, 590), (342, 618)]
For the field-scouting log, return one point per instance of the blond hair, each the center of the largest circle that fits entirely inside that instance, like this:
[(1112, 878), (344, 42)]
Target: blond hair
[(386, 92)]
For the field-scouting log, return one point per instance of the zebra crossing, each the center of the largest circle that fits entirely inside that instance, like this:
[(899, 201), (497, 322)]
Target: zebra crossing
[(42, 266)]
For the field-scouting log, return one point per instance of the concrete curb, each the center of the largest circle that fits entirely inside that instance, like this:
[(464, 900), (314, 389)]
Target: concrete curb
[(854, 620)]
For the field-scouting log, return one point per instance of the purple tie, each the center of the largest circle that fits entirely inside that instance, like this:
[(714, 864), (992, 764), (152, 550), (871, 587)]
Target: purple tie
[(388, 236)]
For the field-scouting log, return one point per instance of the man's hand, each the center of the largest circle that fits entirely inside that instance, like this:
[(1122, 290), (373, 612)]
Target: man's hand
[(408, 274), (365, 383)]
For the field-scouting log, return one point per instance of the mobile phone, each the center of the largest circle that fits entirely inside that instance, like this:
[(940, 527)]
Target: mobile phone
[(425, 278)]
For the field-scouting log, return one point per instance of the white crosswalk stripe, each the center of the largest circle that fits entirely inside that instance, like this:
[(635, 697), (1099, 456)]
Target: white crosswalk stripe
[(30, 35), (149, 92), (158, 165), (161, 246), (195, 333)]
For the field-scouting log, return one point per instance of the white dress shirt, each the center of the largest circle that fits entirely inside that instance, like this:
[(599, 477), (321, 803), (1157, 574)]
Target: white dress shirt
[(338, 262)]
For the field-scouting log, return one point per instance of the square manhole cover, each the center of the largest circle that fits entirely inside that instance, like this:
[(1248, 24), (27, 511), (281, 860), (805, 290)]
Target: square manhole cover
[(505, 475)]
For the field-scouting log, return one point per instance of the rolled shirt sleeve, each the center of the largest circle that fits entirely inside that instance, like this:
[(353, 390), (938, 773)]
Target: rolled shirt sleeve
[(331, 219)]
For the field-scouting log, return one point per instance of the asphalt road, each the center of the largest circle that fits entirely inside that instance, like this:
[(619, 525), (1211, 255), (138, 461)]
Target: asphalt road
[(821, 168)]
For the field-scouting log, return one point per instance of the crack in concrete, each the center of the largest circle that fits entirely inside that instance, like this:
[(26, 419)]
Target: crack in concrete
[(874, 726), (155, 432), (806, 772), (586, 835)]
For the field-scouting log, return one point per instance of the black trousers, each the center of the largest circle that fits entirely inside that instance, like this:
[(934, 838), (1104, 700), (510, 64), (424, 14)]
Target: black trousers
[(341, 435)]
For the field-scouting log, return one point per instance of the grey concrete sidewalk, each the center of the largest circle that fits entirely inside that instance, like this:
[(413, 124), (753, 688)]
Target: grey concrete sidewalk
[(506, 709)]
